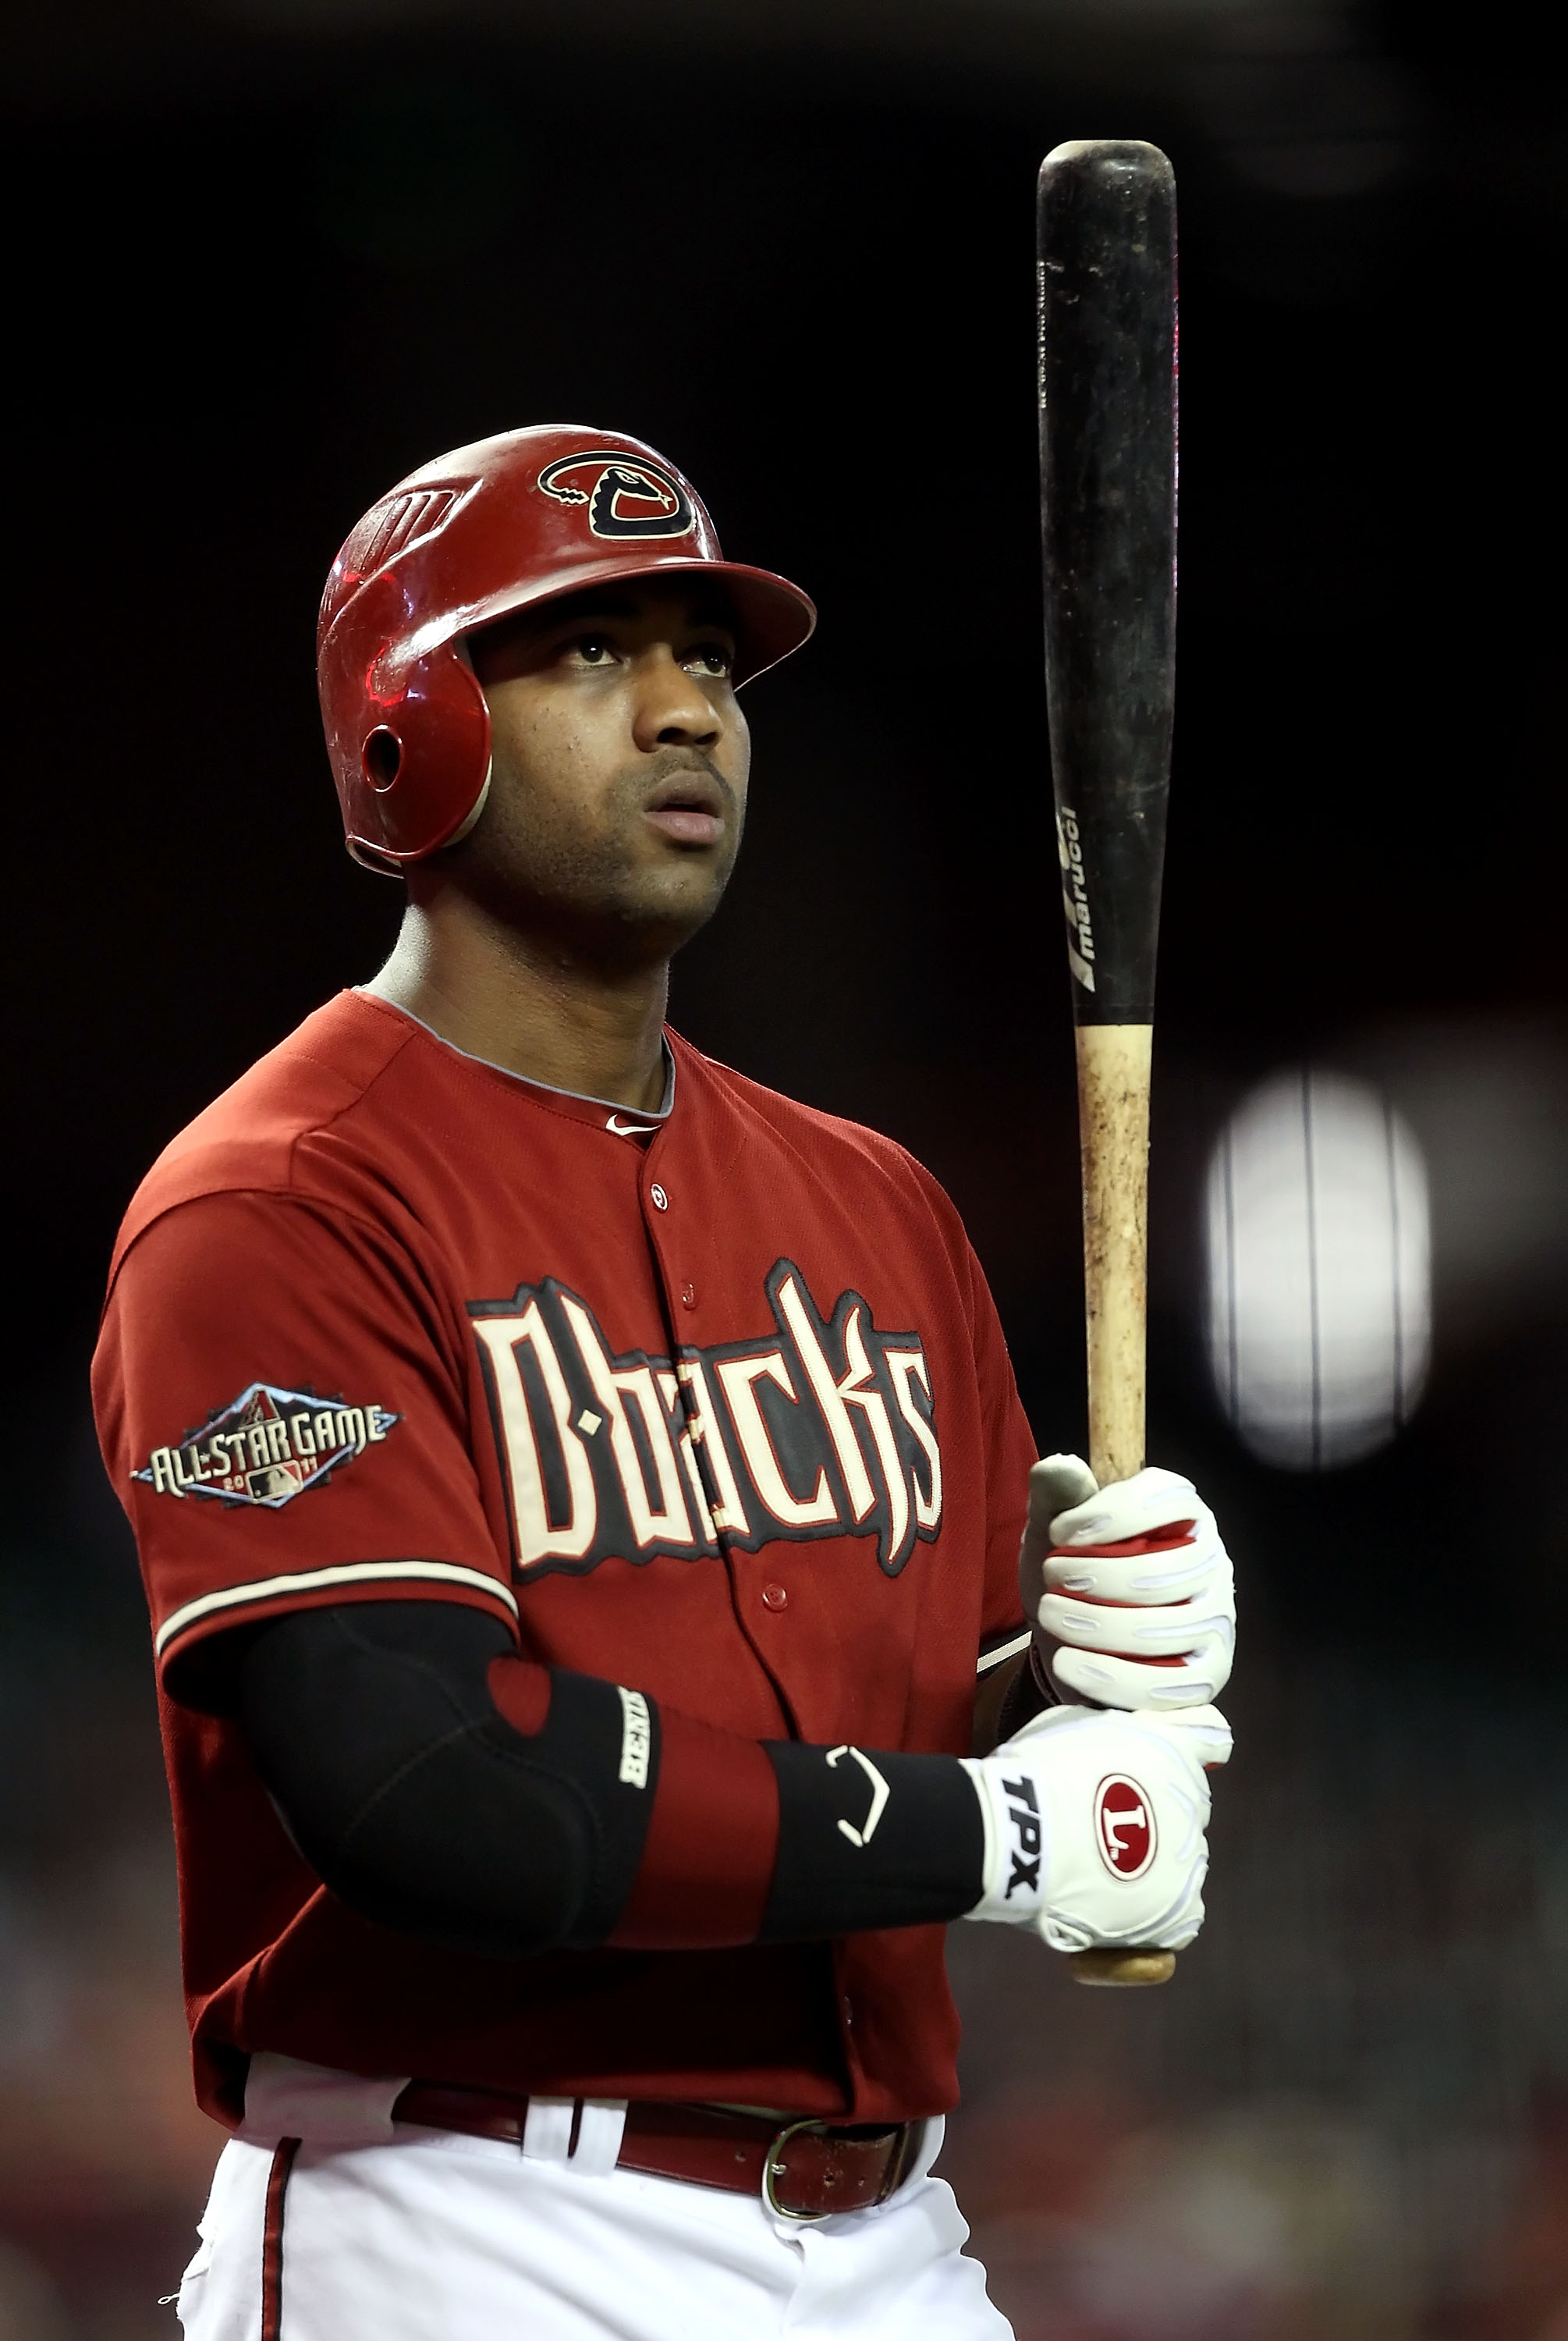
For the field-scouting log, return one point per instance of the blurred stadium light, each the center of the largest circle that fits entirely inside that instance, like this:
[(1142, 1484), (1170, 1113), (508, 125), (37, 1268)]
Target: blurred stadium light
[(1487, 1099), (1319, 1299)]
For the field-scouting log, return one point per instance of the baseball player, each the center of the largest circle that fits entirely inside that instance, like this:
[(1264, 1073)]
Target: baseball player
[(576, 1491)]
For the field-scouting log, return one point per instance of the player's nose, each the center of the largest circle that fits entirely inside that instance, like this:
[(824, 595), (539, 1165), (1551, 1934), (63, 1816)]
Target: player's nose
[(670, 706)]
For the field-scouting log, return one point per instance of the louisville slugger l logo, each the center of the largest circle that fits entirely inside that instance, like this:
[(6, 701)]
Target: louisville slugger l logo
[(1124, 1827)]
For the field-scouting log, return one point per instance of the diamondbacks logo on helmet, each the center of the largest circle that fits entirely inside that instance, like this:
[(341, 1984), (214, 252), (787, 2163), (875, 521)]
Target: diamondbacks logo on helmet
[(1124, 1827), (626, 496)]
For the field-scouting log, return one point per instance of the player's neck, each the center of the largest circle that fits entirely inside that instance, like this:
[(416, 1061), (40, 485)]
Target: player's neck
[(531, 1007)]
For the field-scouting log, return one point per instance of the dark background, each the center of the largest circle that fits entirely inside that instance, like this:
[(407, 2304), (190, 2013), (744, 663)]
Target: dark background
[(264, 259)]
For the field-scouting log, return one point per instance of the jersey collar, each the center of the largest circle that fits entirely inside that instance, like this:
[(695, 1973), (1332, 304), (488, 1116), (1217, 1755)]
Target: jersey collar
[(601, 1113)]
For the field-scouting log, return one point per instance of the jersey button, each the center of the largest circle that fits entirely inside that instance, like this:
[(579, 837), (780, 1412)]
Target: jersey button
[(660, 1199), (775, 1598)]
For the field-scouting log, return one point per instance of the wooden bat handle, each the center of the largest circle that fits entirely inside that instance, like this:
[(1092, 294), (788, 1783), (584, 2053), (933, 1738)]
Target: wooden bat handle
[(1114, 1067)]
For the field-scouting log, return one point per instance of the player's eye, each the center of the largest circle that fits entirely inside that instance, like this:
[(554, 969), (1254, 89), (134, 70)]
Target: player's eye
[(593, 650), (715, 659)]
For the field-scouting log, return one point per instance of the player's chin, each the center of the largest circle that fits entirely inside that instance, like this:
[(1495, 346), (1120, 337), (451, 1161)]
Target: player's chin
[(675, 896), (697, 874)]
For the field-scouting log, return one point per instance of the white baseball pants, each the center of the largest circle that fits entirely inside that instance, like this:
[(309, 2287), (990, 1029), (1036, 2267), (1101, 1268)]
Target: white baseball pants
[(433, 2236)]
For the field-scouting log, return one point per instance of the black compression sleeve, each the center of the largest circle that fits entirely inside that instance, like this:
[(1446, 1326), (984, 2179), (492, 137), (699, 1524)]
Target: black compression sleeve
[(874, 1839), (374, 1728)]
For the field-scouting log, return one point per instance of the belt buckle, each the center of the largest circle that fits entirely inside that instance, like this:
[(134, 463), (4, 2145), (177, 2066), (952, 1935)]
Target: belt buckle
[(772, 2168)]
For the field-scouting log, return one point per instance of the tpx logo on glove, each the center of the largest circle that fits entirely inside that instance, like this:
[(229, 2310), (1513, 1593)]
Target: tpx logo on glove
[(1123, 1825), (1024, 1812)]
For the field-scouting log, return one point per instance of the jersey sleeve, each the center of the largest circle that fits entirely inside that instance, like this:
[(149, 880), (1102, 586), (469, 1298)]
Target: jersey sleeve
[(283, 1413)]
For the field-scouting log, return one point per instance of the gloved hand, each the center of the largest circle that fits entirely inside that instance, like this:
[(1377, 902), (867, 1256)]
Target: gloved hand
[(1119, 1576), (1095, 1827)]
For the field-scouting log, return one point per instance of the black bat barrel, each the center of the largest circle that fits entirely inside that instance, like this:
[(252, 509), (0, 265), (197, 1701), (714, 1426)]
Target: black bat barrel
[(1107, 372)]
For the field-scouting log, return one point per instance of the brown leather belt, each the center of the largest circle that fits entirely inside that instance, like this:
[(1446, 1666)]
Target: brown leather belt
[(804, 2169)]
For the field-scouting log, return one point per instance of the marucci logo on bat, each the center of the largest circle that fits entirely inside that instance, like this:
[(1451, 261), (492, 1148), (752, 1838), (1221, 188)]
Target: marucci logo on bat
[(1076, 898), (824, 1427)]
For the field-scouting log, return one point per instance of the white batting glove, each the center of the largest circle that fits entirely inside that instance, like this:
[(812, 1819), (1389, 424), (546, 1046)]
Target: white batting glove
[(1095, 1827), (1119, 1576)]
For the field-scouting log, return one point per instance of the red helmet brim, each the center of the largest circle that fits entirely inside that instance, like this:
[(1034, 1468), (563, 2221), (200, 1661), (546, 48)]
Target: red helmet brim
[(772, 617)]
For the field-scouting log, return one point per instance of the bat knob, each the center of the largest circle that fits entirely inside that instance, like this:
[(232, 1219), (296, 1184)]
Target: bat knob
[(1123, 1967)]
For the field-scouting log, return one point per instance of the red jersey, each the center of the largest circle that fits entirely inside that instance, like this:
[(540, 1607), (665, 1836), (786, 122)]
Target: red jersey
[(715, 1406)]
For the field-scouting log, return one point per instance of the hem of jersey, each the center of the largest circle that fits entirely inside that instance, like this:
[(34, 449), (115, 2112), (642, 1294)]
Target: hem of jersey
[(353, 1573), (660, 1113), (1003, 1651)]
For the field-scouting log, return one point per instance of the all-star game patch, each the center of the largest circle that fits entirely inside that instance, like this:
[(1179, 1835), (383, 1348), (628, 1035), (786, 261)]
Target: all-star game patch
[(266, 1447)]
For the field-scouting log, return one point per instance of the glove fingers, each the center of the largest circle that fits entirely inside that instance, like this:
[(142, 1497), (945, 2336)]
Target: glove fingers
[(1112, 1681), (1182, 1922), (1177, 1574), (1146, 1633), (1150, 1501), (1202, 1731)]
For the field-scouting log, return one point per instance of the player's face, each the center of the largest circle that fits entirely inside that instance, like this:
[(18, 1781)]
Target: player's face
[(620, 757)]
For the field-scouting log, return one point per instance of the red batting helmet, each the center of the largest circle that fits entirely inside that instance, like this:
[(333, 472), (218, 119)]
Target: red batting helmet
[(477, 534)]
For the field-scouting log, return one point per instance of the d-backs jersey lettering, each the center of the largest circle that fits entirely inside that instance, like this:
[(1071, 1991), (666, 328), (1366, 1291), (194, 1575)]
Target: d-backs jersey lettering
[(715, 1405)]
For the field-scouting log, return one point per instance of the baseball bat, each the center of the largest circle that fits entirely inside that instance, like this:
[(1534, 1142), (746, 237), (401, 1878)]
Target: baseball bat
[(1107, 390)]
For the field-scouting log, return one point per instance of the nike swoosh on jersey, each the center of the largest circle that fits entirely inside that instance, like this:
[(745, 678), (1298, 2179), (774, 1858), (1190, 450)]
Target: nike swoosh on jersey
[(630, 1129)]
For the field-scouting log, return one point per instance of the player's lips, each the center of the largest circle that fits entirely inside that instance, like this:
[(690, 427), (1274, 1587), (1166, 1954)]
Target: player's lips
[(689, 808)]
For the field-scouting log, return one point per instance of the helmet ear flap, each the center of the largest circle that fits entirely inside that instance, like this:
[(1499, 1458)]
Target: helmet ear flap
[(415, 776)]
